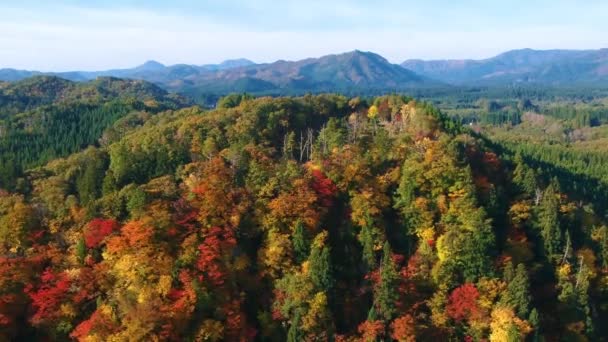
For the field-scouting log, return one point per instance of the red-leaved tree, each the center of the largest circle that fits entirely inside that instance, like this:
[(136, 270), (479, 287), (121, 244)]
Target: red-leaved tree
[(324, 188), (47, 298), (97, 230), (404, 329), (462, 303), (215, 252)]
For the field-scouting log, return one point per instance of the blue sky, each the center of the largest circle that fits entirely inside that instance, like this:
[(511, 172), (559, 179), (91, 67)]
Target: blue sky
[(92, 35)]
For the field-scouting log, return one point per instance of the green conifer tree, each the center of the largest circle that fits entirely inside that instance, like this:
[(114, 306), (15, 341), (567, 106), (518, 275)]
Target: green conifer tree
[(548, 221), (534, 320), (367, 242), (319, 263), (301, 245), (386, 293), (518, 293)]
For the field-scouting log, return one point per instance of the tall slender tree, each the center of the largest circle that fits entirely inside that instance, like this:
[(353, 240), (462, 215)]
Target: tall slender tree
[(548, 221), (386, 294)]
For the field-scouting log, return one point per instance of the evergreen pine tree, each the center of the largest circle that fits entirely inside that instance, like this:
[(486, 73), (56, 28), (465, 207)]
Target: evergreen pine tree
[(386, 294), (518, 292), (524, 177), (508, 272), (301, 245), (372, 315), (529, 183), (604, 246), (534, 320), (548, 221), (88, 183), (367, 242), (582, 295), (319, 263), (81, 250)]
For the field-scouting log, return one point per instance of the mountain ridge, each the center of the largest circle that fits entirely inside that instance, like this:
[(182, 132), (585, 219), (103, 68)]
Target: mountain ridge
[(555, 67), (359, 71), (344, 71), (12, 74), (337, 71)]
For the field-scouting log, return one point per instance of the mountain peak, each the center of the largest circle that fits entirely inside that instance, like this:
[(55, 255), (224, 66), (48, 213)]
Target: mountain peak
[(354, 55), (235, 63), (151, 65), (360, 53)]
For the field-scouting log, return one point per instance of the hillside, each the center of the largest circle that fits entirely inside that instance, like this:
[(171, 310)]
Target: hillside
[(300, 219), (40, 91), (542, 67), (46, 117)]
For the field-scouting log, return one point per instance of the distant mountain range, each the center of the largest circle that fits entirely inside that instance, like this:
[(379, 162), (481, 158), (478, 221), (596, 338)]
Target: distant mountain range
[(354, 70), (359, 71), (527, 66), (343, 72), (150, 70)]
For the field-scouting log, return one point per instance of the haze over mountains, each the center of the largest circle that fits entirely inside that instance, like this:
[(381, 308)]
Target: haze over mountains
[(360, 71), (364, 70), (150, 69), (548, 67)]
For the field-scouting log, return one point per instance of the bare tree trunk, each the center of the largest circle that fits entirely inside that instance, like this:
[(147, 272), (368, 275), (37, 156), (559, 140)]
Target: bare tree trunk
[(567, 251), (538, 197), (301, 146), (579, 273), (323, 138), (309, 142)]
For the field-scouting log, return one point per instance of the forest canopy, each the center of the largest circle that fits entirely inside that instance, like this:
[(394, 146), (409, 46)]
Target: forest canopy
[(292, 218)]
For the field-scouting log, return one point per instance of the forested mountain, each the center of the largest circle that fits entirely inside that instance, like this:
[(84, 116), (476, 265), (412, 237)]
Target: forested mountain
[(360, 72), (544, 67), (302, 219), (353, 71), (46, 117), (343, 72)]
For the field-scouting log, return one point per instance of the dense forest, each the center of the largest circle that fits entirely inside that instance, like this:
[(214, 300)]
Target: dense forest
[(46, 117), (313, 218)]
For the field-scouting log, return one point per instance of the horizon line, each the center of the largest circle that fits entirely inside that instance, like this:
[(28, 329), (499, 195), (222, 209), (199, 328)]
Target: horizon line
[(168, 65)]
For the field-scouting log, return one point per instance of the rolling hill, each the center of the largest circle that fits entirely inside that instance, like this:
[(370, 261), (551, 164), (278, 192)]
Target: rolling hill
[(45, 117), (40, 91)]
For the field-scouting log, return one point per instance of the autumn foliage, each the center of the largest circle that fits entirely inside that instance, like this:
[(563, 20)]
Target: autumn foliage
[(295, 219), (214, 255), (97, 230), (403, 329), (48, 297), (462, 303)]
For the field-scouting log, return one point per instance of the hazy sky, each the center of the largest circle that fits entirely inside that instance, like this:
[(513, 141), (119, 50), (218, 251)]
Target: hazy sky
[(92, 35)]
